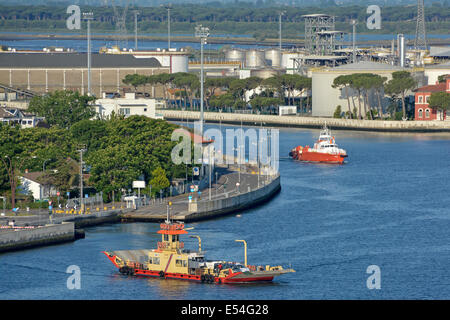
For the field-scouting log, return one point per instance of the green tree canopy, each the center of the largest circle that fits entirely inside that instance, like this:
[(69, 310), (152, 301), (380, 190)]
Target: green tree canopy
[(131, 147), (159, 180), (440, 100), (401, 82), (63, 108), (135, 80)]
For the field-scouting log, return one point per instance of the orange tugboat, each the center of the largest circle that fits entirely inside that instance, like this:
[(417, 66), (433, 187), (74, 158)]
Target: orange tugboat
[(171, 260), (325, 150)]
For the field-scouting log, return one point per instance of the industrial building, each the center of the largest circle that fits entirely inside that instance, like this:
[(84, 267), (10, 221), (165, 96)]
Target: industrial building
[(173, 59), (432, 72), (325, 99), (440, 53), (43, 72)]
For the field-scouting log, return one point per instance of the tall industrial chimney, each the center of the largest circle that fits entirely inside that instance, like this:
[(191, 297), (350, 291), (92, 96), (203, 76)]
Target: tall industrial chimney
[(402, 50)]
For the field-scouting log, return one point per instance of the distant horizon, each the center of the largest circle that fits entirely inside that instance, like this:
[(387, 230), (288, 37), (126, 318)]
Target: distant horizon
[(256, 3)]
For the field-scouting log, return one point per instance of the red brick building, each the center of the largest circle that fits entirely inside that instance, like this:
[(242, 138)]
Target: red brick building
[(422, 110)]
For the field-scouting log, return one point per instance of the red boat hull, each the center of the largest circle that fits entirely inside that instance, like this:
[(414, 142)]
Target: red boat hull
[(318, 157), (237, 277)]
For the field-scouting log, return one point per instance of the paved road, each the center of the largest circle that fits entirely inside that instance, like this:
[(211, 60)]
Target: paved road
[(223, 188)]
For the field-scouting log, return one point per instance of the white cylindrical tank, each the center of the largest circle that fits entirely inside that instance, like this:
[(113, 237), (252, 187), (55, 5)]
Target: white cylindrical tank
[(235, 55), (254, 58), (274, 56), (180, 63), (287, 61), (263, 73)]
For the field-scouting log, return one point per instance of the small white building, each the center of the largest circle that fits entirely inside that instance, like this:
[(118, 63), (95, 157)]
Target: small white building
[(128, 106), (432, 72), (30, 183), (287, 110), (15, 116)]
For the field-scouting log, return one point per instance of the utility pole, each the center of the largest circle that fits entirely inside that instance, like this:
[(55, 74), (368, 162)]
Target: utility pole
[(136, 12), (88, 16), (279, 20), (168, 7), (81, 150)]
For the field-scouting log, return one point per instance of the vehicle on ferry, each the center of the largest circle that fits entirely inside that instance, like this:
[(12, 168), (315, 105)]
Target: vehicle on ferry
[(325, 150)]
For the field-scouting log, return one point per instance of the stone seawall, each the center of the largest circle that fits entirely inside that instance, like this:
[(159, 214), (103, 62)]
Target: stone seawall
[(11, 240), (310, 122), (97, 218)]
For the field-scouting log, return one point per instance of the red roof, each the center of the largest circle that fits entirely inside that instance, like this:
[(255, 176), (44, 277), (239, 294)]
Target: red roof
[(197, 138), (432, 88)]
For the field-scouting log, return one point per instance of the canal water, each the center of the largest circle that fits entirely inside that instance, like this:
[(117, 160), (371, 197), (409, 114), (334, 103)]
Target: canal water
[(388, 206), (81, 45)]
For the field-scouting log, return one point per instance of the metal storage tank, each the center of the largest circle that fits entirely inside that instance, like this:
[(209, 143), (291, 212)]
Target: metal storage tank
[(263, 73), (254, 59), (235, 55), (179, 63), (286, 59), (274, 56)]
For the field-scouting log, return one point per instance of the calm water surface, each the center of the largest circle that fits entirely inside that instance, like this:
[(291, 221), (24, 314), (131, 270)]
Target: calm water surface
[(81, 45), (388, 206)]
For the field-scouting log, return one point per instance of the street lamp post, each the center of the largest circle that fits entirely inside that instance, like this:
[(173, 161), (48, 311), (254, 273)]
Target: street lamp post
[(202, 33), (88, 16), (81, 150), (168, 7), (281, 14), (209, 165), (354, 23), (240, 151), (136, 12)]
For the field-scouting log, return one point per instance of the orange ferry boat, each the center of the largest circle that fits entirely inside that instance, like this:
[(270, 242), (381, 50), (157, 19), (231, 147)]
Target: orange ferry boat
[(325, 150), (171, 260)]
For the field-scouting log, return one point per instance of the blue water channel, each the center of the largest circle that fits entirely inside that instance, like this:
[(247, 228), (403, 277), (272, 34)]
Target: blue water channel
[(388, 206), (81, 45)]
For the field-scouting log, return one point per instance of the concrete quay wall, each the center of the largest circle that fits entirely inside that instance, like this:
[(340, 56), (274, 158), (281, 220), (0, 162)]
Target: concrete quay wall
[(310, 122), (11, 240), (80, 220), (96, 218)]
